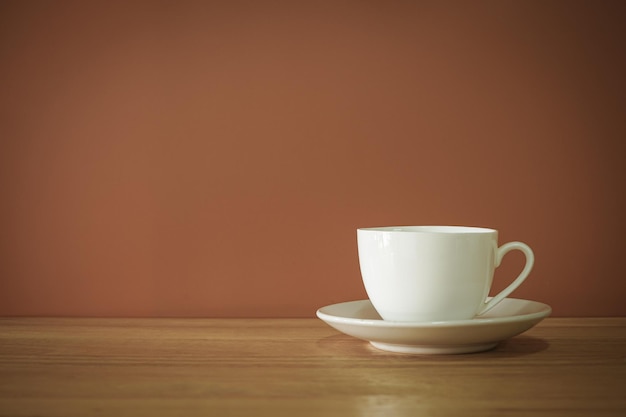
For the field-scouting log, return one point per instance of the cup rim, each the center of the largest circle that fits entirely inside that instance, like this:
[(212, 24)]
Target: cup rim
[(432, 229)]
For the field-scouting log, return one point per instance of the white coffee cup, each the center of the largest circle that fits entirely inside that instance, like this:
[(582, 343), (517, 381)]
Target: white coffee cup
[(433, 273)]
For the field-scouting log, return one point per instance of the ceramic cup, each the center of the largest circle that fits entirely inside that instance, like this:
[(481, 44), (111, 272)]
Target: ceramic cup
[(433, 273)]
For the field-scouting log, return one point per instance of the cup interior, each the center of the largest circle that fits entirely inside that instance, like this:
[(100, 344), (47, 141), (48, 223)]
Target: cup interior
[(430, 229)]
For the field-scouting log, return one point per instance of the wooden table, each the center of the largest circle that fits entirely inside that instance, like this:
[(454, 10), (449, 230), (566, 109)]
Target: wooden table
[(299, 367)]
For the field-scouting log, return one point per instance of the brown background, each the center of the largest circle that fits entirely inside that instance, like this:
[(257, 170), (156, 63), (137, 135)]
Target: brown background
[(215, 158)]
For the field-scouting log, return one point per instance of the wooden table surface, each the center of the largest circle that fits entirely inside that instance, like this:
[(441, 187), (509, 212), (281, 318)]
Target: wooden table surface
[(275, 367)]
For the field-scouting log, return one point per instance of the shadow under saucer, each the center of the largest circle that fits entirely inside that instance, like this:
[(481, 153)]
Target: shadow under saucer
[(520, 346), (343, 345)]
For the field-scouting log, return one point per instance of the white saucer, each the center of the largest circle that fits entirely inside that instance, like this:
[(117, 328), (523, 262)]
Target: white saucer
[(507, 319)]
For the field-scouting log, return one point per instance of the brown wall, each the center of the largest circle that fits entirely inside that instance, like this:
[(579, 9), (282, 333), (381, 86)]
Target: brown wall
[(215, 158)]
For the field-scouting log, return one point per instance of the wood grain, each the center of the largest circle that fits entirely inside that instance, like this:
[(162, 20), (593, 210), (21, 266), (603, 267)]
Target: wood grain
[(244, 367)]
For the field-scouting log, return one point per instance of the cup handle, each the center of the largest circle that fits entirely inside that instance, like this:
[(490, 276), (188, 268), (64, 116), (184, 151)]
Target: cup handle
[(500, 252)]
